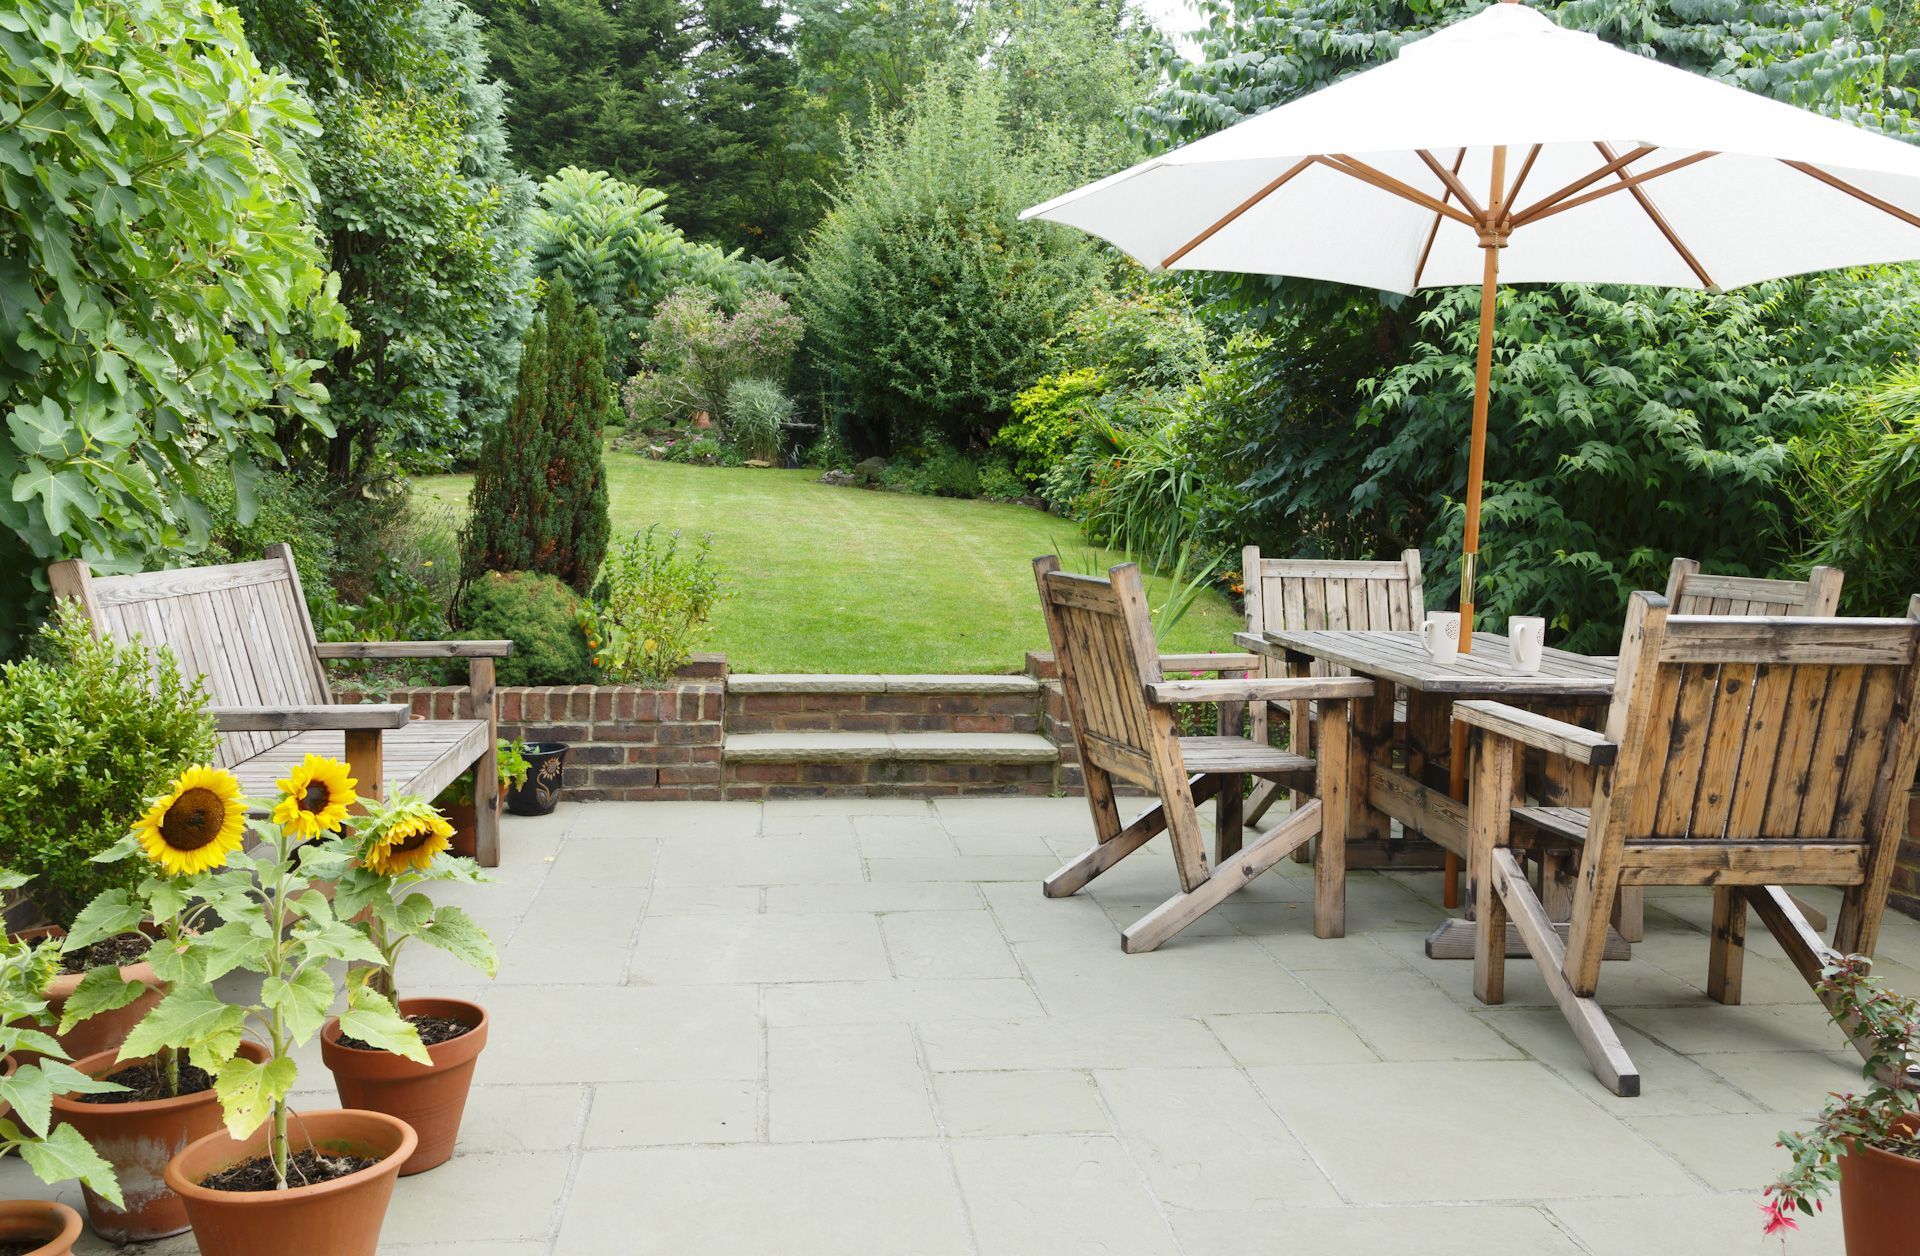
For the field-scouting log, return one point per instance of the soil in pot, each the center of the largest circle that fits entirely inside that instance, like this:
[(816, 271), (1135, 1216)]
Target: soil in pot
[(1880, 1195), (32, 1227), (304, 1168), (121, 950), (137, 1132), (341, 1216), (429, 1097)]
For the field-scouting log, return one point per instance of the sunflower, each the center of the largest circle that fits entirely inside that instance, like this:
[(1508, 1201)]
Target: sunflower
[(316, 797), (409, 842), (196, 826)]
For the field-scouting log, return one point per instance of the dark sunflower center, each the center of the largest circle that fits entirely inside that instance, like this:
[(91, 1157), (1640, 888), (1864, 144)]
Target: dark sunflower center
[(193, 820), (414, 841), (316, 798)]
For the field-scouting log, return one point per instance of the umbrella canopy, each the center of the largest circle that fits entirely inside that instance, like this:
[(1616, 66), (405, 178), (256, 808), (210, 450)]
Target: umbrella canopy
[(1504, 146)]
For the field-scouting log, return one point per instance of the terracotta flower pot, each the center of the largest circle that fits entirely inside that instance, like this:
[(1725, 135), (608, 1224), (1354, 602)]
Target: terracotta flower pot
[(337, 1218), (1880, 1198), (431, 1098), (138, 1139), (55, 1225), (109, 1029), (464, 817)]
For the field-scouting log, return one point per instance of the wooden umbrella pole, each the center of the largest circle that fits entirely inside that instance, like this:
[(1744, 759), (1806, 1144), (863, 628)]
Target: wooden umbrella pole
[(1493, 238)]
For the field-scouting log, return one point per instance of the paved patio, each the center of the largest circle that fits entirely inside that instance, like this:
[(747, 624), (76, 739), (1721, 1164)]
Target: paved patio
[(725, 1029)]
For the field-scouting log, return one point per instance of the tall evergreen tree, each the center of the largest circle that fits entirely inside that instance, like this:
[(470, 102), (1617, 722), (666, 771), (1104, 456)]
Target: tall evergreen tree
[(539, 500)]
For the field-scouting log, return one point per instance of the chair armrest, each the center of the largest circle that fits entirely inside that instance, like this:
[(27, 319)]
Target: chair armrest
[(1210, 662), (413, 649), (1256, 689), (349, 716), (1569, 741)]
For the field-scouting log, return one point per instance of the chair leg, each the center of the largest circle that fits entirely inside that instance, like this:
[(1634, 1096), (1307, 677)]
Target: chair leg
[(1489, 828), (1183, 909), (1630, 913), (1727, 944), (1228, 824)]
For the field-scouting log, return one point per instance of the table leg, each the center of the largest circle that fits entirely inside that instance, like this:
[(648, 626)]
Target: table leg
[(1373, 742)]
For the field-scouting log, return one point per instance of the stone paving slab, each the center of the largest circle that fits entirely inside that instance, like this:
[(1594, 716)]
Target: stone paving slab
[(830, 1027)]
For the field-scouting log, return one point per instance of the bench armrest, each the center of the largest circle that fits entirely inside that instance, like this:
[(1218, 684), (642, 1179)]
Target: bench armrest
[(300, 719), (1255, 689), (1569, 741), (1209, 662), (413, 649)]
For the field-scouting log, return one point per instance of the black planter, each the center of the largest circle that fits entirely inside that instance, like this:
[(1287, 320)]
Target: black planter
[(545, 763)]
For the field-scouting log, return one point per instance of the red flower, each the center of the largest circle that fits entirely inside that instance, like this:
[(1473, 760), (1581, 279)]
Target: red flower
[(1779, 1216)]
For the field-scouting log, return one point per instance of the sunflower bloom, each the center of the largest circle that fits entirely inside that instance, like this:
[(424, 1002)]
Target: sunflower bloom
[(315, 798), (197, 825), (411, 842)]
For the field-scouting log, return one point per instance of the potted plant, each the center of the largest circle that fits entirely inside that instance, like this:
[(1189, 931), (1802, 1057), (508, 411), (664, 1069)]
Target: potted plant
[(456, 800), (162, 1102), (308, 1184), (1869, 1144), (35, 1066), (538, 791), (378, 868)]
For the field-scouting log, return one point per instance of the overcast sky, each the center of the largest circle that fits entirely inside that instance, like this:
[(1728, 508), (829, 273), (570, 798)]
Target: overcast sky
[(1176, 17)]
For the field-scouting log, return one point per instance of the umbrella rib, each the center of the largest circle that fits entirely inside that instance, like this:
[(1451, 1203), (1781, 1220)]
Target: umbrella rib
[(1387, 183), (1660, 221), (1452, 179), (1834, 181), (1585, 181), (1626, 184), (1513, 193), (1433, 232), (1237, 210)]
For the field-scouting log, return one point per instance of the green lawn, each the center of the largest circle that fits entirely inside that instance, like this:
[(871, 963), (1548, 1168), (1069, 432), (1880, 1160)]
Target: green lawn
[(828, 579)]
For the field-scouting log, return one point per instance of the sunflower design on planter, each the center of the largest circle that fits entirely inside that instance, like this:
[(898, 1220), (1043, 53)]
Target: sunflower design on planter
[(316, 798), (409, 841), (196, 826)]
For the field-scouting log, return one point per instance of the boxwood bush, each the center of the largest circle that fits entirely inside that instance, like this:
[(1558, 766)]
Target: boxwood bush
[(539, 615)]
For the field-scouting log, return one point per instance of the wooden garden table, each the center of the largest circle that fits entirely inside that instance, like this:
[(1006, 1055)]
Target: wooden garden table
[(1425, 792)]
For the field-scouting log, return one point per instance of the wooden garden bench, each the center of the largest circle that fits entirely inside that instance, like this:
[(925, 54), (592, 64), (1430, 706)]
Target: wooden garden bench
[(1693, 592), (1122, 710), (1741, 752), (243, 629)]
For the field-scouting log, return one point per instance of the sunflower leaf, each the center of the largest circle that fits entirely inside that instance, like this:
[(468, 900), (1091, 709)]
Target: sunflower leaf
[(302, 1002), (236, 944), (66, 1154), (335, 939), (189, 1016), (373, 1019), (31, 1095), (458, 934), (108, 915), (101, 990), (248, 1091)]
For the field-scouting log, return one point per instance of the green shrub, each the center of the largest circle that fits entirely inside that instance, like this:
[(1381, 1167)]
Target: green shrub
[(649, 605), (539, 500), (287, 508), (940, 472), (702, 448), (695, 351), (539, 615), (1856, 488), (758, 412), (928, 302), (1048, 418), (998, 482), (90, 732)]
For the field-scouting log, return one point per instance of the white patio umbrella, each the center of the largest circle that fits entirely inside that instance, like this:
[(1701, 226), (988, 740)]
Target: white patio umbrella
[(1506, 146)]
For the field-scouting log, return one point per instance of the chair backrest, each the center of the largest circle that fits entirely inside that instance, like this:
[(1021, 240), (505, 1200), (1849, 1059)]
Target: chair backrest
[(1762, 729), (1307, 594), (1693, 592), (1103, 645), (241, 627)]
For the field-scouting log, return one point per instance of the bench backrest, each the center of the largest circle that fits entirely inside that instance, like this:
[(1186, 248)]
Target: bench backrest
[(1103, 645), (1784, 729), (1693, 592), (1307, 594), (241, 627)]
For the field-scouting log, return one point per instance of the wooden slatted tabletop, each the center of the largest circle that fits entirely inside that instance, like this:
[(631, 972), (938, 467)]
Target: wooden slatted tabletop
[(1488, 672)]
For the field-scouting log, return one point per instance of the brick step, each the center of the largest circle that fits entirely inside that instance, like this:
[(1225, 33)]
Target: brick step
[(888, 747), (883, 704)]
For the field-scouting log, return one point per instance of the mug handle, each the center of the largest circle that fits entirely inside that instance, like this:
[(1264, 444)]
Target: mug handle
[(1427, 628)]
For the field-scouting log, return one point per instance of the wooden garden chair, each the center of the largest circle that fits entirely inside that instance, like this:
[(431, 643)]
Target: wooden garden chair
[(243, 629), (1123, 723), (1740, 752), (1310, 594), (1692, 592)]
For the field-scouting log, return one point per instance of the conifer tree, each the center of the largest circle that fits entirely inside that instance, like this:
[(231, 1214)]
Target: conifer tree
[(539, 500)]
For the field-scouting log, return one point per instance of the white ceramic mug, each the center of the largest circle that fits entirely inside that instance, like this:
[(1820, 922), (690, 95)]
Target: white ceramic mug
[(1526, 639), (1440, 634)]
